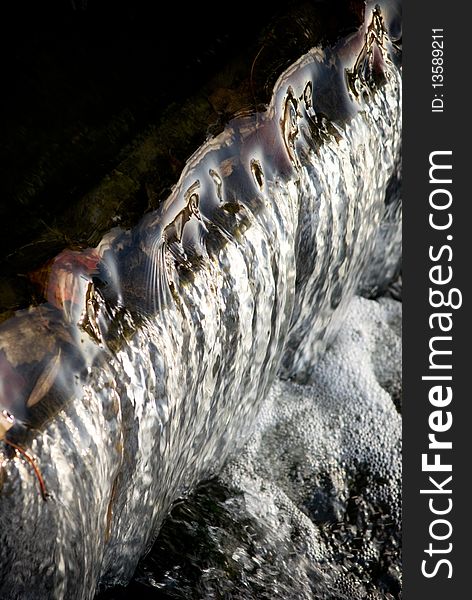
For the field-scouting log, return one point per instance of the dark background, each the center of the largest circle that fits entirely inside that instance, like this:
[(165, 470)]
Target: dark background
[(79, 84), (82, 81)]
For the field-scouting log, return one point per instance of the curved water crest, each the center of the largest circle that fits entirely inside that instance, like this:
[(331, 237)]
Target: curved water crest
[(146, 367)]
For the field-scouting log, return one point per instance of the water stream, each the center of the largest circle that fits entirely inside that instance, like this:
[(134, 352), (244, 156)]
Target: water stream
[(146, 367)]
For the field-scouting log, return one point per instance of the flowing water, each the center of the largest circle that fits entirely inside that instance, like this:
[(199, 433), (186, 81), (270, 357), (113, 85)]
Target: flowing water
[(311, 508), (148, 364)]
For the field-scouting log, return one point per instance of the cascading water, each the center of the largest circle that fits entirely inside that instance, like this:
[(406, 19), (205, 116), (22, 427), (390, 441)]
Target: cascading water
[(147, 366)]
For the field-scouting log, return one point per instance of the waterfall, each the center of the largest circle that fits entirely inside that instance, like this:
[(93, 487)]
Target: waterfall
[(147, 366)]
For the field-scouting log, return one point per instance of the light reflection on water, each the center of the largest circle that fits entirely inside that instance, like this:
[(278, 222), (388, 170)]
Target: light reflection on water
[(156, 348)]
